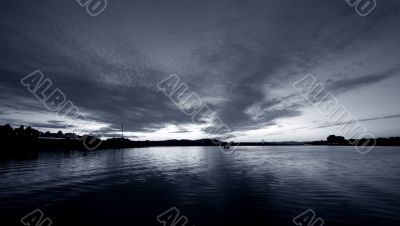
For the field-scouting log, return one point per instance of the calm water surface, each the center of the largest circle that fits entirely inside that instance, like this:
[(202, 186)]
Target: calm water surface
[(255, 186)]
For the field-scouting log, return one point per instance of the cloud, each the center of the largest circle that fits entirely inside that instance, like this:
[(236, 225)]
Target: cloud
[(239, 57), (53, 124), (329, 125), (349, 83)]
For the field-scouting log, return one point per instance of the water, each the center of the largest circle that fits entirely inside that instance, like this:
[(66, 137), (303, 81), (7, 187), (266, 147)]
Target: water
[(256, 186)]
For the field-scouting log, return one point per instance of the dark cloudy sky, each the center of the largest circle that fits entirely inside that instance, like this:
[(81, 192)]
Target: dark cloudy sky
[(240, 56)]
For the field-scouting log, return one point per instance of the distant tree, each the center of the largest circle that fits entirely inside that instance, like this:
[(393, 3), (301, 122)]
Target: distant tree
[(332, 139), (6, 131), (31, 133), (20, 131)]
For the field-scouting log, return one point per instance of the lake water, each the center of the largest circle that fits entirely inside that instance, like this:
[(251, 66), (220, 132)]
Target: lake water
[(255, 186)]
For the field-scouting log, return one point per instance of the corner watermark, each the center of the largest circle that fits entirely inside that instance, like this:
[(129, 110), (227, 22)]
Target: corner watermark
[(93, 7), (308, 218), (172, 217), (36, 218), (362, 7)]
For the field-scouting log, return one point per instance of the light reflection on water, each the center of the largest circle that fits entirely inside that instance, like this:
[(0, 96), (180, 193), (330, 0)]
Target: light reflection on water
[(258, 185)]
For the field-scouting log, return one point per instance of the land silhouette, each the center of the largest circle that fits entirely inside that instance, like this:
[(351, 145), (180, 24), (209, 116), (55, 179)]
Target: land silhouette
[(26, 140)]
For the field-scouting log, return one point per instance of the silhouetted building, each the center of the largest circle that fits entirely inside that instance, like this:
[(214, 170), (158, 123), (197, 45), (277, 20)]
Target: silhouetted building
[(71, 136)]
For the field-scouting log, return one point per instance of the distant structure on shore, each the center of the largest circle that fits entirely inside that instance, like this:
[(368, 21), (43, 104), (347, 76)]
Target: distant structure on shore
[(122, 131), (59, 136)]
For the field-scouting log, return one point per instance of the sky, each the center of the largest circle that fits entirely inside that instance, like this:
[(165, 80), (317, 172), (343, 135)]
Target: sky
[(240, 57)]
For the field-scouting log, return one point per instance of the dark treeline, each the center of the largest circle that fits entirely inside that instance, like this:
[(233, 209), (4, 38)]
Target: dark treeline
[(26, 140), (339, 140)]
